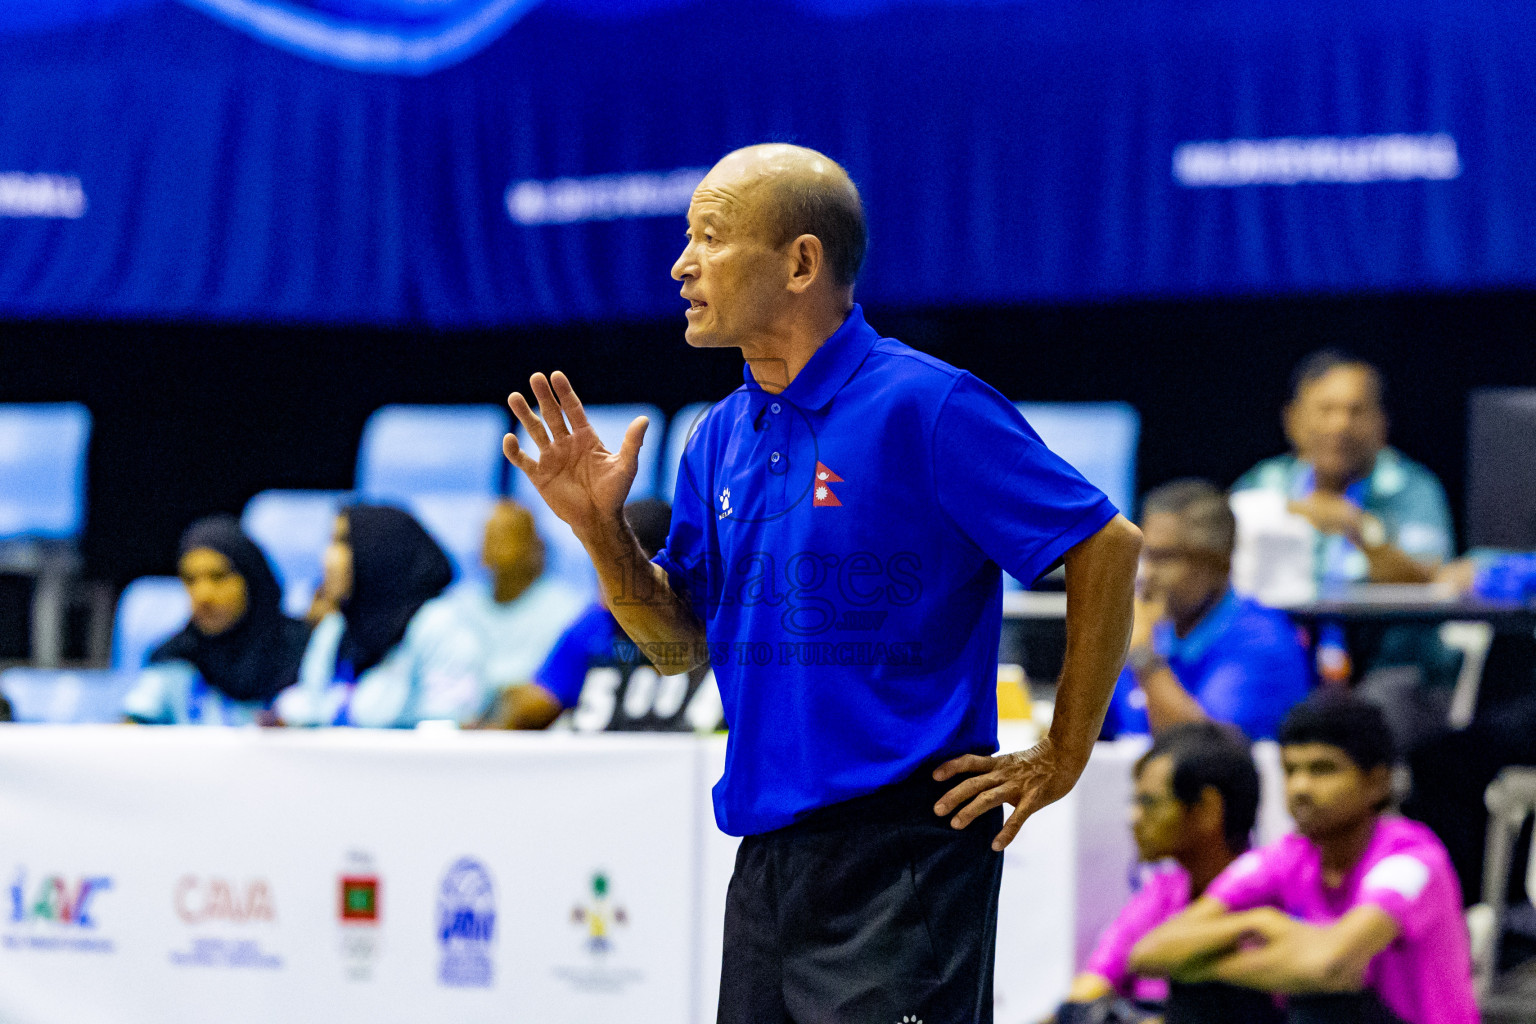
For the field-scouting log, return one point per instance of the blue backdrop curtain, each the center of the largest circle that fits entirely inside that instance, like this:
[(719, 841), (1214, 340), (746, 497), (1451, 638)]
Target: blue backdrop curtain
[(483, 162)]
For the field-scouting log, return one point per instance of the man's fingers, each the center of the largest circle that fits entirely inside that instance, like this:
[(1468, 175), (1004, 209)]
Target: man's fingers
[(963, 792), (530, 421), (994, 797), (1011, 828), (965, 764), (569, 403), (634, 437), (549, 406), (514, 453)]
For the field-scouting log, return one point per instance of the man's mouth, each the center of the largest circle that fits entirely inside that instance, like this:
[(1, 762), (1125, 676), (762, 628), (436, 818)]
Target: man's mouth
[(694, 306)]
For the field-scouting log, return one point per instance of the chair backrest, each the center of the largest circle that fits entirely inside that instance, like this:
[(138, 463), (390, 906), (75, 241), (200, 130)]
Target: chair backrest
[(42, 470), (293, 528), (678, 432), (1098, 438), (424, 449), (150, 610), (1501, 468), (457, 522), (65, 697)]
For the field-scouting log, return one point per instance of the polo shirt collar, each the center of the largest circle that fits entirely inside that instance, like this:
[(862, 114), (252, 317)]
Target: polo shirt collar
[(834, 363), (1200, 639)]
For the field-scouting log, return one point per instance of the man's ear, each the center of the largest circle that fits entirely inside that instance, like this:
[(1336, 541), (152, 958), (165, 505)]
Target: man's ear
[(807, 260), (1210, 811), (1379, 779)]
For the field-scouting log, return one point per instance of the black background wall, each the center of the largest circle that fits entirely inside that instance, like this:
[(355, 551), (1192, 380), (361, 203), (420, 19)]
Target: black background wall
[(195, 418)]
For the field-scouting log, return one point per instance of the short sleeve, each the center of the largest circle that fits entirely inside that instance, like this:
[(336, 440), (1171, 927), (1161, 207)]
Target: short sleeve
[(1111, 956), (1423, 527), (1397, 885), (685, 557), (150, 699), (564, 671), (1253, 880), (1017, 501)]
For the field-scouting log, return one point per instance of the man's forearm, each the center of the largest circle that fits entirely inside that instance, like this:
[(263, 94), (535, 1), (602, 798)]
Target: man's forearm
[(1101, 574), (1168, 703), (1186, 940), (1389, 564), (636, 591)]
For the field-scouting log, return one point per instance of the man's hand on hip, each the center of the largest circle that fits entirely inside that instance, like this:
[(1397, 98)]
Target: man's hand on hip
[(1028, 779)]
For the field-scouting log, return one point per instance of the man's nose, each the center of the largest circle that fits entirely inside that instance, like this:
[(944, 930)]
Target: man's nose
[(683, 267)]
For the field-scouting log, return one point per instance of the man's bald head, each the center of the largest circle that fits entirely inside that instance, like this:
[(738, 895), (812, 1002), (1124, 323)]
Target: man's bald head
[(798, 191)]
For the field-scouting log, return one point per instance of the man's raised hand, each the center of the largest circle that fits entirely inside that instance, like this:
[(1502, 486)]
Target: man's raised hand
[(582, 482)]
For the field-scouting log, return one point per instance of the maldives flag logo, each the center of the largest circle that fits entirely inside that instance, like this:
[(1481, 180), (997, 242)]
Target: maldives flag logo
[(822, 496)]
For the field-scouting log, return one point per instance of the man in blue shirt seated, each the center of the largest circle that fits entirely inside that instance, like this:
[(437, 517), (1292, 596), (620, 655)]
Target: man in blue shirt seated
[(602, 677), (1199, 651)]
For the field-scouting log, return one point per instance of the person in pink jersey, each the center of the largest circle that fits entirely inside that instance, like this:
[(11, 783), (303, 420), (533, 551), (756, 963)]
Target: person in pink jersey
[(1356, 917), (1195, 800)]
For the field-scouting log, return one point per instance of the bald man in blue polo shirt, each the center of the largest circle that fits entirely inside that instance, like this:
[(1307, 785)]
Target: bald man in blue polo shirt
[(840, 528)]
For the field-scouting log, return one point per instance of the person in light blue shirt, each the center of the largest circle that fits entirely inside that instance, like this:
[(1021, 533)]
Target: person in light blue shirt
[(239, 649), (393, 654), (1198, 651), (520, 611), (1380, 517)]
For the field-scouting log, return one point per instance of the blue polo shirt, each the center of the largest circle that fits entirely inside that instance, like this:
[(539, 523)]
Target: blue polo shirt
[(842, 542), (1243, 663)]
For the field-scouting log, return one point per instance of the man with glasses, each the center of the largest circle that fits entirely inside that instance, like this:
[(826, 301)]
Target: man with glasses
[(1195, 802), (1198, 651)]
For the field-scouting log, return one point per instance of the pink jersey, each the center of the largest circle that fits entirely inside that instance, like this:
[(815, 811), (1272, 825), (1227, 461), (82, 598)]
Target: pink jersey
[(1164, 892), (1425, 975)]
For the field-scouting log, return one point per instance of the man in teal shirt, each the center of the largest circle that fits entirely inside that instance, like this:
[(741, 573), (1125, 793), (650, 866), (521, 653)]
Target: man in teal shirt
[(1380, 516)]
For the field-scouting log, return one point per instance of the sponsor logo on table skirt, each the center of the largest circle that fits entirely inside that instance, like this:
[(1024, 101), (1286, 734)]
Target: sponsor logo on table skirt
[(466, 926), (212, 902), (357, 916), (600, 918), (56, 913)]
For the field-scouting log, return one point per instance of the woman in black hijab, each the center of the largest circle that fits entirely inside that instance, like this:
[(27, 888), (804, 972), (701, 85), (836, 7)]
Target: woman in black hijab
[(238, 651), (389, 655)]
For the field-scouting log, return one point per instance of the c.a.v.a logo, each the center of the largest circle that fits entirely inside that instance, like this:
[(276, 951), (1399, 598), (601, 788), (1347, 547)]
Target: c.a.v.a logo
[(466, 925), (54, 912)]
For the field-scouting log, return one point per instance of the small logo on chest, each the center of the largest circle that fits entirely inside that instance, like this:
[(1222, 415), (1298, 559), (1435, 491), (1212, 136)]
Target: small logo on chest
[(821, 494), (725, 503)]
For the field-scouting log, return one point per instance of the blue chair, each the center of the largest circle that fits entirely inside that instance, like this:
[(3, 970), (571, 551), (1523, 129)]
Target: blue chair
[(59, 697), (1098, 438), (678, 432), (42, 470), (424, 449), (151, 609), (42, 509), (294, 528), (457, 522)]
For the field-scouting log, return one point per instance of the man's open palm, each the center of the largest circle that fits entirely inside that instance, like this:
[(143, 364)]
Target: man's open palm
[(582, 482)]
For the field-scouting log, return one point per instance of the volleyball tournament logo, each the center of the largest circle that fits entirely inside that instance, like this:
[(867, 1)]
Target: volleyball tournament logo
[(221, 914), (599, 916), (55, 913), (358, 916), (466, 926)]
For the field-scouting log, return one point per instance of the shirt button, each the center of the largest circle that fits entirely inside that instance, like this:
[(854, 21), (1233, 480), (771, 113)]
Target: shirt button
[(774, 457), (774, 407)]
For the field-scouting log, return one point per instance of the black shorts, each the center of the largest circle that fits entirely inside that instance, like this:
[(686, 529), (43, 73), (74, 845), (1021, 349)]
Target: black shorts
[(873, 911)]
